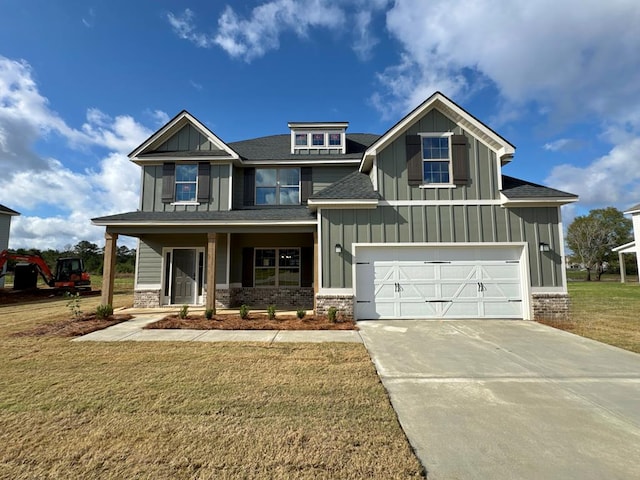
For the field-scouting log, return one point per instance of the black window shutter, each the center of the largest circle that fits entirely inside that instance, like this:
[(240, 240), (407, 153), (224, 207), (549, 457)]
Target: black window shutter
[(460, 159), (168, 182), (414, 160), (306, 266), (247, 267), (204, 181), (305, 184), (249, 187)]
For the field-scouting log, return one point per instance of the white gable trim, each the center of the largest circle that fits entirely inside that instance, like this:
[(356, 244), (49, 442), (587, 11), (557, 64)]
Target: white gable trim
[(468, 122), (172, 127)]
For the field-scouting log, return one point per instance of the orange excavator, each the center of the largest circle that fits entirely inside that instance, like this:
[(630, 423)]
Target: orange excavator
[(70, 273)]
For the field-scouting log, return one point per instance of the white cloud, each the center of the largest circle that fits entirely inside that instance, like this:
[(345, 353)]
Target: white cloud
[(184, 28), (35, 183), (563, 145)]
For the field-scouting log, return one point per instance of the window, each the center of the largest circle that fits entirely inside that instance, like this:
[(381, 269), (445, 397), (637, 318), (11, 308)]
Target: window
[(301, 139), (335, 139), (317, 139), (277, 267), (186, 183), (277, 186), (436, 159)]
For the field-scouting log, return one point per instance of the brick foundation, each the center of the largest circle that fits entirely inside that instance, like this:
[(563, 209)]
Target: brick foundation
[(344, 304), (146, 298), (282, 298), (550, 306)]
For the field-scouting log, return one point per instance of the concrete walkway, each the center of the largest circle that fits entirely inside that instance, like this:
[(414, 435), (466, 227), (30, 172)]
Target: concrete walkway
[(506, 400), (132, 331)]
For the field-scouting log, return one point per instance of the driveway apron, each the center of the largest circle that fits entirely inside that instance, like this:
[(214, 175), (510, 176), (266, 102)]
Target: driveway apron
[(494, 399)]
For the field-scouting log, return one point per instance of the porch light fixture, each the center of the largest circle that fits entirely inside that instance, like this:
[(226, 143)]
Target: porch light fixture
[(338, 248), (544, 247)]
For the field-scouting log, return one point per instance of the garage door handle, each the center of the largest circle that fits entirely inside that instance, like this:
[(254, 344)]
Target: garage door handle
[(438, 301), (514, 300), (437, 261)]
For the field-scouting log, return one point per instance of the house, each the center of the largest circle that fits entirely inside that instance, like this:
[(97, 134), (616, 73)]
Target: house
[(419, 222), (5, 228), (631, 247)]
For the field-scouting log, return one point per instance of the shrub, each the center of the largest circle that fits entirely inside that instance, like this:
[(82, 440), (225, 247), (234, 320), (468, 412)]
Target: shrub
[(73, 304), (209, 313), (244, 312), (300, 313), (332, 314), (271, 312), (184, 311), (104, 311)]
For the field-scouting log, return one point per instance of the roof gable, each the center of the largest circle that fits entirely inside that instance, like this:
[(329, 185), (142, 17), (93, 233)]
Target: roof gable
[(183, 135), (457, 114), (7, 211)]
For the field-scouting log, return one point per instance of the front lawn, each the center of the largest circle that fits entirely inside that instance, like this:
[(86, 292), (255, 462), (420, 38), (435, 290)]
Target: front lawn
[(189, 410), (606, 311)]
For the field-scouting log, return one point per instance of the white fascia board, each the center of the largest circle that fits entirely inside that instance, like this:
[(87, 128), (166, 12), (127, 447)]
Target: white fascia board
[(537, 202), (173, 126), (312, 125), (440, 244), (342, 203), (205, 224), (422, 203), (295, 162), (626, 248), (632, 212), (482, 132)]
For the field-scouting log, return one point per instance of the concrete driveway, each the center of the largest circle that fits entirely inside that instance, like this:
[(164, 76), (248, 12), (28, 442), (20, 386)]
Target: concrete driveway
[(492, 399)]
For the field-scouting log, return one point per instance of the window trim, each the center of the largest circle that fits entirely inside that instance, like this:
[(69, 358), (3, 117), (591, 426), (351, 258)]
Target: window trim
[(277, 187), (450, 183), (277, 267), (325, 139)]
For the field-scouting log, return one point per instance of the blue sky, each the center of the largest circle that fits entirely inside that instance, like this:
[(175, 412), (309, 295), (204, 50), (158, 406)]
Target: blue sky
[(82, 83)]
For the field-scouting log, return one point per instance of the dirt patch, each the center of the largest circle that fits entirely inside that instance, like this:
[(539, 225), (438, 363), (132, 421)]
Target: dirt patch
[(74, 327), (10, 296), (255, 321)]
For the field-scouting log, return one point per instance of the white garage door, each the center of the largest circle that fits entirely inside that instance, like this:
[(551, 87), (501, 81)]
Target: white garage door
[(453, 282)]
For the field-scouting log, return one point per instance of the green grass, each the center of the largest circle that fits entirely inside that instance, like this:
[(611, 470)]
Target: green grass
[(189, 410), (606, 311)]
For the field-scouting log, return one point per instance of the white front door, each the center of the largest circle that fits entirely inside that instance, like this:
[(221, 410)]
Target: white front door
[(427, 287)]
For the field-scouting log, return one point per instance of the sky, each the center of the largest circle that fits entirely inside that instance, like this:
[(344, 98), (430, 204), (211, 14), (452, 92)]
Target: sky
[(84, 82)]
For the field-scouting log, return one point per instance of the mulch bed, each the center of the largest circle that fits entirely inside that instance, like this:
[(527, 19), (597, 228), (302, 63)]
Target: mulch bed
[(75, 327), (255, 321)]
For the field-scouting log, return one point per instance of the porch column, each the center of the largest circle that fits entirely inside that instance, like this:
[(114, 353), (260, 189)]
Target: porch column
[(623, 268), (108, 271), (211, 271), (315, 268)]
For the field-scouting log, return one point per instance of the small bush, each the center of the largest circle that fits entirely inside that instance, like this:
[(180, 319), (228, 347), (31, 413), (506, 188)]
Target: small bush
[(73, 303), (209, 313), (244, 312), (184, 311), (104, 311), (301, 313), (271, 312), (332, 313)]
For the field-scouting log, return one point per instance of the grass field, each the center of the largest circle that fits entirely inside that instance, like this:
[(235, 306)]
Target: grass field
[(188, 410), (606, 311)]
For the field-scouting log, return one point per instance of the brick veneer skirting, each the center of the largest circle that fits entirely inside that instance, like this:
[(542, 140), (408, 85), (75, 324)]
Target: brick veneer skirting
[(550, 306), (282, 298), (146, 298), (344, 304)]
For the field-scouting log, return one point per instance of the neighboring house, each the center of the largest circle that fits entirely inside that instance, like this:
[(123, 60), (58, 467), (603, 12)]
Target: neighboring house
[(417, 223), (5, 229), (631, 247)]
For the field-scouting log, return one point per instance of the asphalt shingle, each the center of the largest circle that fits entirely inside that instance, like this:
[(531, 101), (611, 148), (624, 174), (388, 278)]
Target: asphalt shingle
[(355, 186), (515, 188)]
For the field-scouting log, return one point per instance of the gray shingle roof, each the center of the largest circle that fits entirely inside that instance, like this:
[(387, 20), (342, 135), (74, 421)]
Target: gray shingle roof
[(355, 186), (634, 208), (278, 147), (515, 188), (293, 214), (7, 210)]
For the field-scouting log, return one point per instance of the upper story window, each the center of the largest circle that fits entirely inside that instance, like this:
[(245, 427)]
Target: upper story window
[(335, 139), (277, 186), (436, 159), (301, 140), (318, 137), (186, 183)]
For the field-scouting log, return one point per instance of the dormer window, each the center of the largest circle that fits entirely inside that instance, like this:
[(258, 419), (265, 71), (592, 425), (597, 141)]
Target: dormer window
[(318, 138)]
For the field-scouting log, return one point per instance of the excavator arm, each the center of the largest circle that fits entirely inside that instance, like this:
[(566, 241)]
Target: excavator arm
[(37, 260)]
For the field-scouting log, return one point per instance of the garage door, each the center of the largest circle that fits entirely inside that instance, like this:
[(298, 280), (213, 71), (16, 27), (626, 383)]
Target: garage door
[(401, 282)]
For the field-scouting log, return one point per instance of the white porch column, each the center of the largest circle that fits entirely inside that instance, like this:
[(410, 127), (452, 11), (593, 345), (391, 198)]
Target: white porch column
[(623, 268), (211, 271)]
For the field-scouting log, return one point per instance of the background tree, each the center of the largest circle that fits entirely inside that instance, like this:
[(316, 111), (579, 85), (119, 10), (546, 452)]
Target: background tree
[(592, 237)]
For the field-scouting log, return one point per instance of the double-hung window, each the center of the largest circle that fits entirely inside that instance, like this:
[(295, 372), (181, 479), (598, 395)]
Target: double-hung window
[(277, 186), (186, 183), (436, 159), (277, 267)]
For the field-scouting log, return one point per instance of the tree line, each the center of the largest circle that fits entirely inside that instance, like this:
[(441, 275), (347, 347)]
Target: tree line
[(592, 237), (91, 254)]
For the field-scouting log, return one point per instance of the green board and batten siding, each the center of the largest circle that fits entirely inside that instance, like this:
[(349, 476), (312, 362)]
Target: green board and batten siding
[(150, 255), (218, 186), (441, 224), (393, 181), (188, 139)]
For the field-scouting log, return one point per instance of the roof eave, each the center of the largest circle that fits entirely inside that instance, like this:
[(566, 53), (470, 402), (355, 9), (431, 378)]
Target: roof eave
[(536, 201)]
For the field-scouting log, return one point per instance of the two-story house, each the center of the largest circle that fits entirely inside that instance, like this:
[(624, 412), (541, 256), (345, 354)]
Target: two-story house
[(419, 222)]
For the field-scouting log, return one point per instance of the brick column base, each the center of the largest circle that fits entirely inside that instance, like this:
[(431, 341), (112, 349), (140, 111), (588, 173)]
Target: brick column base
[(344, 304), (550, 306), (146, 298)]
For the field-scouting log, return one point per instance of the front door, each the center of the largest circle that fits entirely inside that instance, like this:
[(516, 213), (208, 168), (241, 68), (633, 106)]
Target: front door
[(183, 276)]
